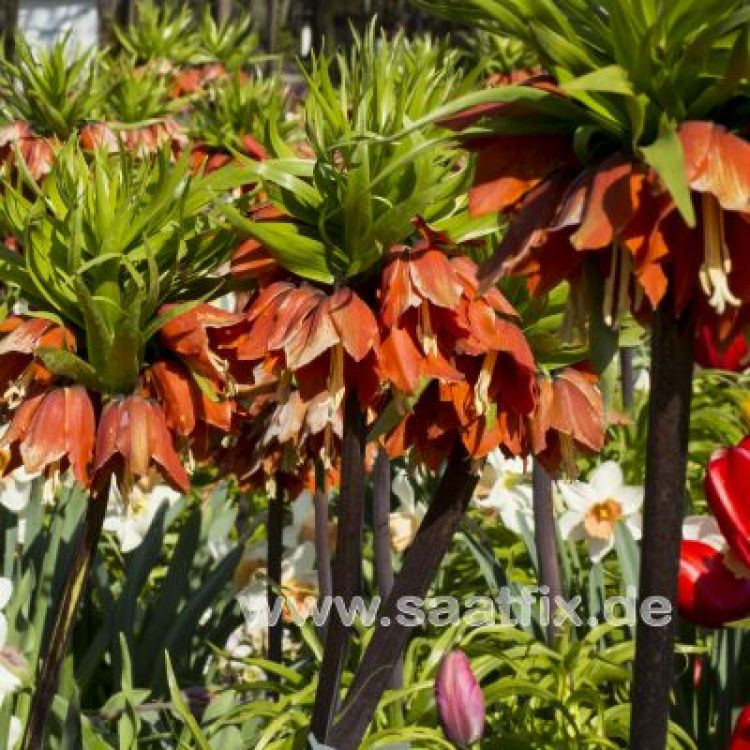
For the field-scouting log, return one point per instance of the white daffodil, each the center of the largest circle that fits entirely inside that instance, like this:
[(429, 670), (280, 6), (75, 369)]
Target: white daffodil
[(594, 509), (299, 586), (504, 490), (11, 663), (404, 522), (130, 519), (15, 489)]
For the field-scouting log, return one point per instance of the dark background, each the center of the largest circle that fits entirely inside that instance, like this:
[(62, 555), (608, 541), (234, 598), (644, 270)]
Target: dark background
[(279, 21)]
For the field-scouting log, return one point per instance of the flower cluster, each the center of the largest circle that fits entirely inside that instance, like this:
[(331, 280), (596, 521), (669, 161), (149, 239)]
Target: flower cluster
[(617, 210), (447, 361), (55, 424)]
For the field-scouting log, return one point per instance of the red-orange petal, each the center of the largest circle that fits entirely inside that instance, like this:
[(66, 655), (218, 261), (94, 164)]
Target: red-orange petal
[(434, 278), (527, 230), (397, 291), (610, 203), (45, 440), (508, 167), (717, 162), (80, 429), (399, 360), (355, 323), (162, 450), (173, 385)]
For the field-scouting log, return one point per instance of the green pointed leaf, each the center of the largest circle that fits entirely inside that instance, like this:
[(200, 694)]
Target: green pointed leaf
[(66, 364), (182, 709), (667, 158), (296, 251)]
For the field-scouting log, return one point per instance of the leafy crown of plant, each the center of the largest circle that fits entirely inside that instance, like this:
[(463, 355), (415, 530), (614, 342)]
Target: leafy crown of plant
[(359, 196), (104, 245), (238, 106), (633, 69), (136, 94), (232, 42), (53, 89), (158, 32)]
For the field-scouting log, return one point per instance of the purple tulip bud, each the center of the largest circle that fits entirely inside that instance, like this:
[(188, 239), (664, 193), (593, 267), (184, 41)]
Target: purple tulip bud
[(459, 699)]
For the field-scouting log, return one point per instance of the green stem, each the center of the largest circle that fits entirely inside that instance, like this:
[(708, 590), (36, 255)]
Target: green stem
[(75, 584)]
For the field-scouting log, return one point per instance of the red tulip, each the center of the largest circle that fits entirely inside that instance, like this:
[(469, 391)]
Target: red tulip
[(733, 355), (132, 436), (459, 700), (741, 737), (710, 595), (53, 427), (727, 485)]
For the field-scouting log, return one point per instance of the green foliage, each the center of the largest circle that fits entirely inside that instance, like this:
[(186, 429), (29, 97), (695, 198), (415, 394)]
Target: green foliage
[(365, 186), (106, 244), (233, 42), (172, 594), (53, 89), (136, 94), (719, 417), (242, 105), (158, 33), (171, 32)]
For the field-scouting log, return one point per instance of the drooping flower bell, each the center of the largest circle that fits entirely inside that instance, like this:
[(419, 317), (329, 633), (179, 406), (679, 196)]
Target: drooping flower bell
[(20, 369), (196, 337), (54, 428), (460, 350), (131, 438), (195, 385), (459, 700), (618, 210), (568, 420), (317, 336), (36, 151)]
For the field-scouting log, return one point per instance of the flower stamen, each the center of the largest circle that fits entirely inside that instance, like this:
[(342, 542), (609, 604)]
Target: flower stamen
[(717, 264)]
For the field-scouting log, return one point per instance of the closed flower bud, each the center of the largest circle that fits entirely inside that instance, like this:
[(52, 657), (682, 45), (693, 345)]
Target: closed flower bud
[(459, 699)]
